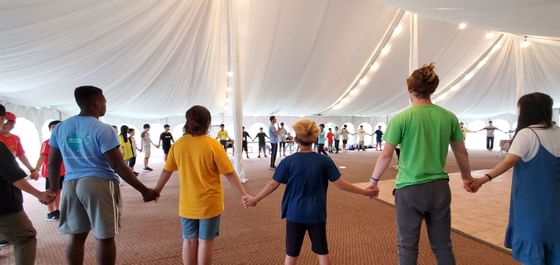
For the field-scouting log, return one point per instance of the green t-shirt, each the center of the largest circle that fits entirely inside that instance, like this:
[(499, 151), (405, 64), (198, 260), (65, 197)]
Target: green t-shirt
[(424, 133)]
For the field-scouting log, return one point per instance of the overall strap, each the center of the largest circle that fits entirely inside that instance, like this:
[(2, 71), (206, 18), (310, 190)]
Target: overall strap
[(535, 134)]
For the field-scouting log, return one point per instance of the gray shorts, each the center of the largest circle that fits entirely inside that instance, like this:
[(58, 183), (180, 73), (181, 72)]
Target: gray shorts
[(91, 203)]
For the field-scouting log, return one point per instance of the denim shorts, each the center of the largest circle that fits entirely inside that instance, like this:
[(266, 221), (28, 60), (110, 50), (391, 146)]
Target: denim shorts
[(205, 229)]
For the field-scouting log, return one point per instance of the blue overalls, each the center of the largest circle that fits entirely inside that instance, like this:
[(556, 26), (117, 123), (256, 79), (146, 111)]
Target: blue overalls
[(533, 231)]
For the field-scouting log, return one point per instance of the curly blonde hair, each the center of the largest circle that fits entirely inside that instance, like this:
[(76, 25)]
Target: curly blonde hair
[(423, 81), (306, 131)]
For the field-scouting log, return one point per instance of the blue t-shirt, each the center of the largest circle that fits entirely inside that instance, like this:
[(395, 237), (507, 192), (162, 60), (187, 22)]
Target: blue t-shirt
[(273, 138), (321, 139), (82, 141), (306, 176)]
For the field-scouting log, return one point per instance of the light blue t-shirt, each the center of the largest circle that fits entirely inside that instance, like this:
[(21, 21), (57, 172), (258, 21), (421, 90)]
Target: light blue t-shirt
[(273, 138), (82, 141), (321, 138)]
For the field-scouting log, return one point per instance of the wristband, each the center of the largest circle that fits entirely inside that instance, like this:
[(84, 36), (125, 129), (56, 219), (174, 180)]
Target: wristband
[(489, 177), (374, 179)]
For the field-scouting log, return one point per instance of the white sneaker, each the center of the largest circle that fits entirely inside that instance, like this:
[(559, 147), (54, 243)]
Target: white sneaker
[(244, 181)]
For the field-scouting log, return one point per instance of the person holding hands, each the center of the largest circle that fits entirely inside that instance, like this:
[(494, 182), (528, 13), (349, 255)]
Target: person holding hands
[(306, 175)]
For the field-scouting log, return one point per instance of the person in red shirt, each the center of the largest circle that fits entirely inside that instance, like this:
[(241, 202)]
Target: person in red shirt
[(330, 140), (42, 165), (13, 143)]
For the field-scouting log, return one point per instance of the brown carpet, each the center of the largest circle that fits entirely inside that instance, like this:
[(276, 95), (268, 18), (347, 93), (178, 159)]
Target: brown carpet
[(360, 231)]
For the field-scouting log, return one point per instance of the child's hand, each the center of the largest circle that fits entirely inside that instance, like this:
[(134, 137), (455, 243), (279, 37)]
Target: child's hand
[(372, 191), (249, 201)]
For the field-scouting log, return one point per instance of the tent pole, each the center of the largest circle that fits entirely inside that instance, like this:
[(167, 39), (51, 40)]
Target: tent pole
[(413, 53), (237, 97)]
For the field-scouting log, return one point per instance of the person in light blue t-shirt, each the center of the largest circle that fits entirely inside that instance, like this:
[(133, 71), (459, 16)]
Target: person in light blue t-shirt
[(91, 197), (307, 176), (273, 133)]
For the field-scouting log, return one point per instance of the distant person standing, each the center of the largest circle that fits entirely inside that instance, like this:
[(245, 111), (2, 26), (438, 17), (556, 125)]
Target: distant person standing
[(361, 138), (490, 135), (290, 142), (42, 166), (13, 143), (282, 138), (344, 133), (132, 160), (261, 136), (330, 140), (165, 140), (273, 132), (146, 142), (321, 139), (336, 136), (91, 199), (125, 145), (223, 137), (378, 139), (245, 145)]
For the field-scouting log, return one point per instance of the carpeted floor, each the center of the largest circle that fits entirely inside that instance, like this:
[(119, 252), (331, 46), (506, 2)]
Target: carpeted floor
[(360, 231)]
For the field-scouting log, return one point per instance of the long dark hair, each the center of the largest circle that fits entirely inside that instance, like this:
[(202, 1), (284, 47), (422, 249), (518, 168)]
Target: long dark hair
[(198, 120), (534, 108), (124, 133)]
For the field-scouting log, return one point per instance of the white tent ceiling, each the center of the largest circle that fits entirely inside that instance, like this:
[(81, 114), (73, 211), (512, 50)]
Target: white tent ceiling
[(156, 58)]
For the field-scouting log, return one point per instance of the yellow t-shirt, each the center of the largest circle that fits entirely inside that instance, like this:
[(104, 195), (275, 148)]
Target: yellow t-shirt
[(222, 135), (126, 148), (200, 161)]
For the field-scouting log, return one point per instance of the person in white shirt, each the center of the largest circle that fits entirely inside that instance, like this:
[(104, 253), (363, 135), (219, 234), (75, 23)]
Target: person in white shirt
[(490, 135)]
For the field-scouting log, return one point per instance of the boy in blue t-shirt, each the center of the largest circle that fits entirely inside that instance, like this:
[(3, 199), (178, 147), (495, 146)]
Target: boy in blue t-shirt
[(306, 175)]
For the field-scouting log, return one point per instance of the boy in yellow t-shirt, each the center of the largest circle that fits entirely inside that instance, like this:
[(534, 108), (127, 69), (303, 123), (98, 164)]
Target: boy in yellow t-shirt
[(200, 161)]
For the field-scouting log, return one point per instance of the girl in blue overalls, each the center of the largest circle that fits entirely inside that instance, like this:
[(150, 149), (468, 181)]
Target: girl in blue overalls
[(533, 231)]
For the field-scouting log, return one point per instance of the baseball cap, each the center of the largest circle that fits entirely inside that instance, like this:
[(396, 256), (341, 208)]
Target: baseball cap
[(10, 116)]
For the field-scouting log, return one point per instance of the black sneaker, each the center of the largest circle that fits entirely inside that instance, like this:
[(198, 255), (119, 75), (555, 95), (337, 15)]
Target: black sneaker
[(51, 217), (57, 215), (148, 169)]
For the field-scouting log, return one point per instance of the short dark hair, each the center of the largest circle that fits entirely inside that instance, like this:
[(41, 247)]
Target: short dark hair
[(124, 131), (222, 125), (281, 123), (166, 126), (2, 110), (146, 126), (534, 108), (198, 119), (130, 130), (85, 95), (272, 117), (53, 123)]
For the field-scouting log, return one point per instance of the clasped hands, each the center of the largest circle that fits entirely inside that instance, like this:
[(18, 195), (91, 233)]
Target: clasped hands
[(46, 197), (473, 184)]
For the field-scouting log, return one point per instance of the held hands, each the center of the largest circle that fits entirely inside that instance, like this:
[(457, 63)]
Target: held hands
[(249, 201), (46, 197), (474, 184), (372, 189), (34, 175), (150, 195)]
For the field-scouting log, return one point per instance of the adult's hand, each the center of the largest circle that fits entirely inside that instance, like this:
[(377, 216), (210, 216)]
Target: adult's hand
[(150, 195)]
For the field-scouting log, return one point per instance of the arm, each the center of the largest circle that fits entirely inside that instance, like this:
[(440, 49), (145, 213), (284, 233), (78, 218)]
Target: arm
[(233, 179), (40, 162), (268, 189), (43, 196), (163, 178), (381, 165), (462, 157), (115, 159), (345, 186), (495, 172), (55, 159), (32, 170)]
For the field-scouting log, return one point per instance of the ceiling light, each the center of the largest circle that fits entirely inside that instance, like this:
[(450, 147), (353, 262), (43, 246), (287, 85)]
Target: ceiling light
[(228, 89), (374, 67), (354, 91), (385, 50), (363, 81), (397, 30), (469, 76), (455, 88), (496, 47), (462, 26), (490, 34), (525, 43), (337, 106), (483, 62), (230, 73)]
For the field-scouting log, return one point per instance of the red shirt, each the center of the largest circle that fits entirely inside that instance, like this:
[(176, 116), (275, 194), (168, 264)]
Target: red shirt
[(330, 137), (45, 149), (13, 144)]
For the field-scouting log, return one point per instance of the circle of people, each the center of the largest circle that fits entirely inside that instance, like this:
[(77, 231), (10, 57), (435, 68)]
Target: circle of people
[(94, 162)]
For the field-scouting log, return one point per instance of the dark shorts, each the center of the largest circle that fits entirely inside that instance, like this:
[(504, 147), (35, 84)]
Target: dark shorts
[(244, 145), (48, 185), (344, 141), (132, 162), (295, 233), (166, 149)]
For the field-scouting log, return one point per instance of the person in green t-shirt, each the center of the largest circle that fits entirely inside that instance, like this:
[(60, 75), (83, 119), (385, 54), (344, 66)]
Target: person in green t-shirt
[(424, 132)]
